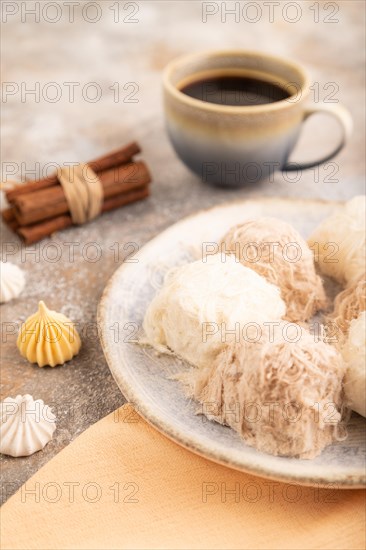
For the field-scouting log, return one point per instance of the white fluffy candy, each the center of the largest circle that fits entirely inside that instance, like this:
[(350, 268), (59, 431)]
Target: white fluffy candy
[(354, 354), (201, 302), (12, 281), (341, 242), (27, 425)]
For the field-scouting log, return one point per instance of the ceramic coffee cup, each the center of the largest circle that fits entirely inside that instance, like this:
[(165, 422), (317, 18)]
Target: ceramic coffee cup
[(234, 144)]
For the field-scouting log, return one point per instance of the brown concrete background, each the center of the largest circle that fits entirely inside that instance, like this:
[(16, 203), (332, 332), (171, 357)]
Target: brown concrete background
[(109, 52)]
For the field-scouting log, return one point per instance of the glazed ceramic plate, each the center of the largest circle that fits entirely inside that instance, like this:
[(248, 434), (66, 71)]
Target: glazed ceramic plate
[(146, 379)]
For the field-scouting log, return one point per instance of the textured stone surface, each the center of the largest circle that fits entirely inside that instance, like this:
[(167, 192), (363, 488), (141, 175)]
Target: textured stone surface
[(108, 52)]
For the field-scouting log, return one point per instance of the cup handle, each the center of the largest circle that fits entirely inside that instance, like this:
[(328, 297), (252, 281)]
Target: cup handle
[(345, 120)]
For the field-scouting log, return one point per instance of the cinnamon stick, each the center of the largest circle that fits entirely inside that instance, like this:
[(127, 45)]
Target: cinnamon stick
[(47, 203), (106, 162), (9, 218), (8, 215), (33, 233)]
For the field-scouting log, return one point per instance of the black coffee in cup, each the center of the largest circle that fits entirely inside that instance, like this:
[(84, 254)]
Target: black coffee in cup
[(234, 117), (235, 90)]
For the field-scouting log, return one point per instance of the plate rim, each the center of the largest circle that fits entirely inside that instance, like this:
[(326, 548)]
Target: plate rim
[(348, 481)]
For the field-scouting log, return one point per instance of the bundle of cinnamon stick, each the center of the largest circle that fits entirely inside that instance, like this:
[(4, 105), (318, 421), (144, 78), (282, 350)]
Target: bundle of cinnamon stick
[(39, 208)]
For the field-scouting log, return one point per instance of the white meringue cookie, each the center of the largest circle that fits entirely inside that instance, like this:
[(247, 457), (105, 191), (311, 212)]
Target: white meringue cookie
[(12, 281), (27, 425)]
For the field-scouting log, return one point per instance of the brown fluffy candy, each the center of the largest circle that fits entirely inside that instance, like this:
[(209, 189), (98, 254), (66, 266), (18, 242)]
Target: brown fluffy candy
[(283, 395), (347, 306), (267, 245)]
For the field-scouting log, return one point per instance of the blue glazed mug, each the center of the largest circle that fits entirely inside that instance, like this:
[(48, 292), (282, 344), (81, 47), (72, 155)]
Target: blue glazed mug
[(232, 145)]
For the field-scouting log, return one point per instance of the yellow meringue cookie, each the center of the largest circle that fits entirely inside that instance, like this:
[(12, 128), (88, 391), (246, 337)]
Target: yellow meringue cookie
[(48, 338)]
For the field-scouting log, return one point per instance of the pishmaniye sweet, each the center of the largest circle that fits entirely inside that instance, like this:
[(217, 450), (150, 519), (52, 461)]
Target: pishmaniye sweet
[(354, 354), (348, 304), (275, 392), (200, 303), (339, 242), (274, 249)]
